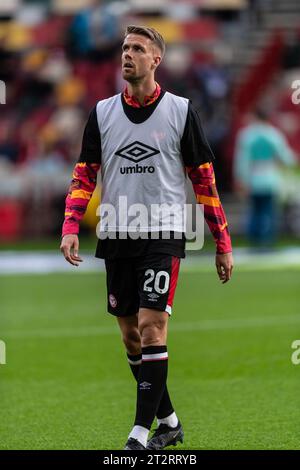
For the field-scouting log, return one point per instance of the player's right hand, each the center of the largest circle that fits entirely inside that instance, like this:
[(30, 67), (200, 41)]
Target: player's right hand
[(69, 247)]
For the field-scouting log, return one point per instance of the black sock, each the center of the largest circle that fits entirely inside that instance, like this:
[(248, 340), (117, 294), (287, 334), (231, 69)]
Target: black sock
[(165, 407), (134, 362), (151, 384)]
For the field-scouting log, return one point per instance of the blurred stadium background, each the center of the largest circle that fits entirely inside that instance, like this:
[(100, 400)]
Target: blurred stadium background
[(231, 351)]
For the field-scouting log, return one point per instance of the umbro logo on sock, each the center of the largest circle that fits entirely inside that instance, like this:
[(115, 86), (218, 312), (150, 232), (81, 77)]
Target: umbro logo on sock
[(145, 386)]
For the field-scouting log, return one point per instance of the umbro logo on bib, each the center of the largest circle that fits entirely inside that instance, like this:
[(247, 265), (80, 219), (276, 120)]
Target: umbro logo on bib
[(136, 152)]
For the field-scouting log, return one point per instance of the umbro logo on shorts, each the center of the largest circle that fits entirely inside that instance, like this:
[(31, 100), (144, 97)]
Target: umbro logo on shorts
[(153, 297), (136, 152)]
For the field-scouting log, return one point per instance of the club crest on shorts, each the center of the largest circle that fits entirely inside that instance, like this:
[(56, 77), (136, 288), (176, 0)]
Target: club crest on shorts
[(112, 301)]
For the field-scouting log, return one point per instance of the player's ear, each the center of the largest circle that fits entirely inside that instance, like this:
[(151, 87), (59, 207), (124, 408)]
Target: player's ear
[(156, 61)]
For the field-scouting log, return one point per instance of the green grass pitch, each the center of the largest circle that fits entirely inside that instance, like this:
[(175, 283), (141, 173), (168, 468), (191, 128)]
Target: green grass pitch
[(67, 384)]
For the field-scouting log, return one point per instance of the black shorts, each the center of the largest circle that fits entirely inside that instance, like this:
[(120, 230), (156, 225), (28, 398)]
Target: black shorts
[(142, 282)]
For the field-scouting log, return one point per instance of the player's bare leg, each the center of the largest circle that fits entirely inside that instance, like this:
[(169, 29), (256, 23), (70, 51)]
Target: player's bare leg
[(130, 334), (153, 327)]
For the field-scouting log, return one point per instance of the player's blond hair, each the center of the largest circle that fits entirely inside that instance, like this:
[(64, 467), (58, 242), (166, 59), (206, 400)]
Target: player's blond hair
[(150, 33)]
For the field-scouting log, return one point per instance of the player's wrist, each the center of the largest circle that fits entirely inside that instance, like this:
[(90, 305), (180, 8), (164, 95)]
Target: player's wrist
[(66, 234), (223, 247)]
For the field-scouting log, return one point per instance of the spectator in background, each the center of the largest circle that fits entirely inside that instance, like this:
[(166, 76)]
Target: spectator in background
[(9, 149), (49, 160), (94, 33), (261, 152)]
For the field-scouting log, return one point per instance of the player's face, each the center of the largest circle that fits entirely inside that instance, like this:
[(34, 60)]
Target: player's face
[(139, 58)]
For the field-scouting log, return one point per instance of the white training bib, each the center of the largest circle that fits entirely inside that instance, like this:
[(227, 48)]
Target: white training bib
[(142, 166)]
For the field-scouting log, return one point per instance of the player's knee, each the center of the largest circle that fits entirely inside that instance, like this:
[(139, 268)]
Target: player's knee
[(152, 334), (132, 341)]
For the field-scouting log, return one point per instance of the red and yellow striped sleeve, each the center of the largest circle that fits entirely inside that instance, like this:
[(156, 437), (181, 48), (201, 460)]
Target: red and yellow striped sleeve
[(82, 186), (204, 184)]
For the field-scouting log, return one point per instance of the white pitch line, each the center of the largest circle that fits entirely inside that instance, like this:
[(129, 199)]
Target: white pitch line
[(52, 262), (205, 325)]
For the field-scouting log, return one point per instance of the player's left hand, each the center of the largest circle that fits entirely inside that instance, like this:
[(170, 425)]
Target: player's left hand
[(224, 265)]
